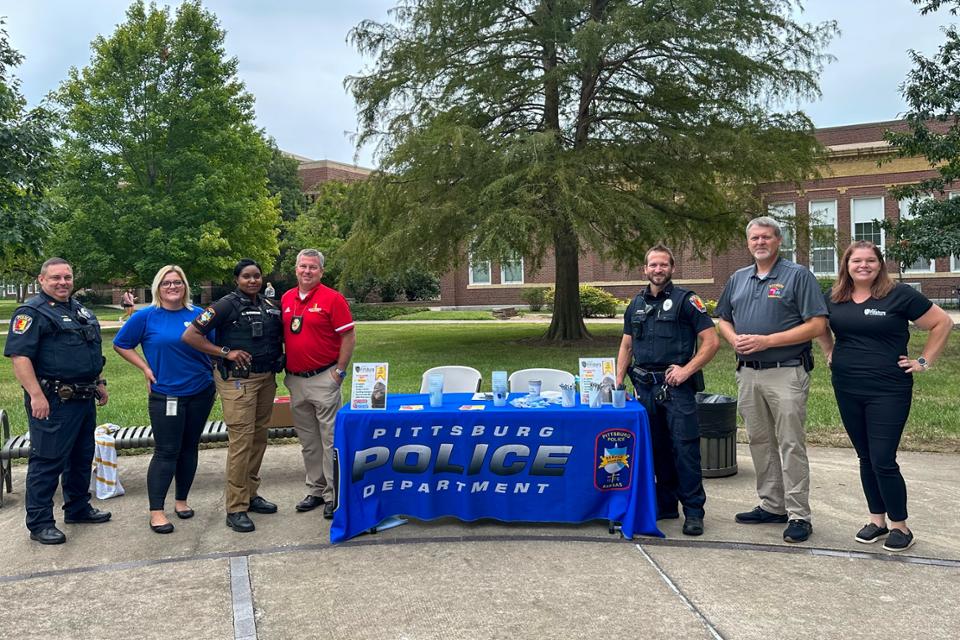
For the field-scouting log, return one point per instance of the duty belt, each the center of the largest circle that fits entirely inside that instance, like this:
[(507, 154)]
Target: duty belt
[(646, 376), (70, 390)]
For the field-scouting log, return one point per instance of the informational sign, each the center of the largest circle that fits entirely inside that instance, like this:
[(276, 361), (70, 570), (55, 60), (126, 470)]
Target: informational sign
[(369, 389), (599, 371)]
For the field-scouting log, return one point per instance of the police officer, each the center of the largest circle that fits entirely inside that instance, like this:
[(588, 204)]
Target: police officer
[(248, 345), (659, 353), (54, 344)]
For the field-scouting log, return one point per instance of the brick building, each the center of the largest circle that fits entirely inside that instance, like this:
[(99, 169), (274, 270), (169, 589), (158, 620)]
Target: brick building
[(314, 173), (843, 203)]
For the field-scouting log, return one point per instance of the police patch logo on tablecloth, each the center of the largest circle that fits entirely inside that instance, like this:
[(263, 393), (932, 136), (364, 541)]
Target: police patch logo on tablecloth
[(613, 458), (698, 303), (21, 324), (775, 291), (204, 318)]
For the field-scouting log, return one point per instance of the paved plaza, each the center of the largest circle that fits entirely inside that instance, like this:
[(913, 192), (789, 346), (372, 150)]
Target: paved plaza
[(448, 579)]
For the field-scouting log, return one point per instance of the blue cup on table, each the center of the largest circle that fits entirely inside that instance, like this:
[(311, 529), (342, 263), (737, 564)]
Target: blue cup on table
[(436, 389)]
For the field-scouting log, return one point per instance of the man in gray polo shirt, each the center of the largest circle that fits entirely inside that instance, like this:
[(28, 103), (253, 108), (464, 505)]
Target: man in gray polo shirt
[(769, 312)]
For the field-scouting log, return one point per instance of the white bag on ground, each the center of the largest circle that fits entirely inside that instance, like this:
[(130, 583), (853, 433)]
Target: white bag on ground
[(105, 478)]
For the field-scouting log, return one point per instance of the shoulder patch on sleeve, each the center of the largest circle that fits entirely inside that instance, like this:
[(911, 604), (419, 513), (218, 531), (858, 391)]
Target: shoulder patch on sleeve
[(204, 318), (21, 323), (698, 303)]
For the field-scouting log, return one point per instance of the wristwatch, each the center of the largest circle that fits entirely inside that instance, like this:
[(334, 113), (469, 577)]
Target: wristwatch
[(224, 350), (340, 372), (923, 363)]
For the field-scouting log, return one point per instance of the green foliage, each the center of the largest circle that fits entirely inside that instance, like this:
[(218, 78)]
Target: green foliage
[(381, 312), (323, 226), (26, 163), (826, 283), (711, 306), (536, 297), (561, 125), (594, 302), (163, 161), (932, 93)]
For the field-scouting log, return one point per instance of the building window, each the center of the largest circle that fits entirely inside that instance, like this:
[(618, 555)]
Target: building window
[(865, 216), (11, 289), (785, 213), (511, 270), (823, 232), (479, 271), (954, 259), (919, 265)]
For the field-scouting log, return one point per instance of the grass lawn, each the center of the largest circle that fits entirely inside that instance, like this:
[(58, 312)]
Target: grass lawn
[(447, 315), (7, 307), (934, 421)]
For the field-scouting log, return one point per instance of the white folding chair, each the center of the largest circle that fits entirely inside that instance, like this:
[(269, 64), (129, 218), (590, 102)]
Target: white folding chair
[(456, 379), (550, 379)]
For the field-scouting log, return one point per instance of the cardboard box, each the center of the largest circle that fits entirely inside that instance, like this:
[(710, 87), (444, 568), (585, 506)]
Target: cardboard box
[(281, 416)]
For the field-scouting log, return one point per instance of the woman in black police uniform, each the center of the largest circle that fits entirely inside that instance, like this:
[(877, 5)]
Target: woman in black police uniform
[(54, 344), (873, 377), (248, 344)]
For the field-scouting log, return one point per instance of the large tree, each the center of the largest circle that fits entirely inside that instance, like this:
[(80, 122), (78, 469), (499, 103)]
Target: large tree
[(932, 92), (26, 155), (528, 126), (163, 161)]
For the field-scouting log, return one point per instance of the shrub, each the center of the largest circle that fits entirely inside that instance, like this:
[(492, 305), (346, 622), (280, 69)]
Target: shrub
[(711, 306), (825, 284), (380, 312), (536, 297), (594, 302)]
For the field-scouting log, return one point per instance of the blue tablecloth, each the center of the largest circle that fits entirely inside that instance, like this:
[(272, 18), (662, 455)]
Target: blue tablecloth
[(537, 465)]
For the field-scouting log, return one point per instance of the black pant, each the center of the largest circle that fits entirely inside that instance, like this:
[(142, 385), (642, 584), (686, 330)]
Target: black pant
[(60, 445), (176, 440), (875, 424), (675, 437)]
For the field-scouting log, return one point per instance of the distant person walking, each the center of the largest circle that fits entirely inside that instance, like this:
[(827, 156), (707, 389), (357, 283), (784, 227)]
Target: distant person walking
[(127, 301)]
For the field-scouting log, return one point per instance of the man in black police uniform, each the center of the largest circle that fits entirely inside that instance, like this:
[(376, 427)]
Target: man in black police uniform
[(54, 344), (659, 353)]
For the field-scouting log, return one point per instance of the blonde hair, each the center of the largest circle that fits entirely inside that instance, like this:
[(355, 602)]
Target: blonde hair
[(157, 279)]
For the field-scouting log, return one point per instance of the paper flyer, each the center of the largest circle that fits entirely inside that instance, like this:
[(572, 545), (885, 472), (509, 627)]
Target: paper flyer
[(602, 371), (369, 387)]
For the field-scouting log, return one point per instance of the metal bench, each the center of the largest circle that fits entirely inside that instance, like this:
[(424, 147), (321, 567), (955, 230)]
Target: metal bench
[(16, 447)]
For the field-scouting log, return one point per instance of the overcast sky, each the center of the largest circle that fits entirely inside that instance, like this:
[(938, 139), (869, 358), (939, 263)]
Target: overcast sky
[(294, 56)]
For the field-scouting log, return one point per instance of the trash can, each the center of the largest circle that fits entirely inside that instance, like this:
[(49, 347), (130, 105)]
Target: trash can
[(718, 434)]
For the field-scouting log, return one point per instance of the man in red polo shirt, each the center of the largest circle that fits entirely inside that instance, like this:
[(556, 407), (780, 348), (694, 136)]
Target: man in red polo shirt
[(319, 338)]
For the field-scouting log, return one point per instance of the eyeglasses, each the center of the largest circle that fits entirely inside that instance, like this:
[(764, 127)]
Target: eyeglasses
[(171, 284)]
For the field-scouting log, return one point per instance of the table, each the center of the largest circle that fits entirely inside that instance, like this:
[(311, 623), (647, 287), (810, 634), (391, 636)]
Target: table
[(553, 464)]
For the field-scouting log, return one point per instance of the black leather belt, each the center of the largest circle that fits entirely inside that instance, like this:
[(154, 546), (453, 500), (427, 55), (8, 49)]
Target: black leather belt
[(647, 376), (70, 390), (310, 374), (756, 364)]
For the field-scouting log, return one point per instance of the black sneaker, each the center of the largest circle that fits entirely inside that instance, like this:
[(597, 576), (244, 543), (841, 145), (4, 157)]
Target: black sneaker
[(759, 515), (898, 540), (693, 526), (871, 533), (797, 531)]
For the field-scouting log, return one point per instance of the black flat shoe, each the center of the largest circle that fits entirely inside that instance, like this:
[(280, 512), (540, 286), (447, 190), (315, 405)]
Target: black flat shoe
[(162, 528), (50, 535), (91, 516), (185, 514)]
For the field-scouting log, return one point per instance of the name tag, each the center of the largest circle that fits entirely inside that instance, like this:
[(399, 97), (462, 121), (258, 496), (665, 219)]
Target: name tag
[(171, 406)]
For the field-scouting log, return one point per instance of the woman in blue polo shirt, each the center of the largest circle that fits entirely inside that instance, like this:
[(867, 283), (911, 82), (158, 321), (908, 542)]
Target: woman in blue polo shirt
[(180, 386)]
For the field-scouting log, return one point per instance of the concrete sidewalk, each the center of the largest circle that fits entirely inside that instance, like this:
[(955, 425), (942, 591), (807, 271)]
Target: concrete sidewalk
[(447, 579)]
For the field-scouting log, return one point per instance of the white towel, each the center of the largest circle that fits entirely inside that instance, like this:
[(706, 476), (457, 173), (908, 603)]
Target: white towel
[(105, 477)]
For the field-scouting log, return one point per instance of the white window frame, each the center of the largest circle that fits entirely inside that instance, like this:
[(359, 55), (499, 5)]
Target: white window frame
[(782, 211), (11, 289), (833, 244), (904, 206), (954, 259), (503, 273), (853, 218), (470, 266)]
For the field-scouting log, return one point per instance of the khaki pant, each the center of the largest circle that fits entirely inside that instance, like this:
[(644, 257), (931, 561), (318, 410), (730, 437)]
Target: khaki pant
[(247, 405), (773, 405), (314, 403)]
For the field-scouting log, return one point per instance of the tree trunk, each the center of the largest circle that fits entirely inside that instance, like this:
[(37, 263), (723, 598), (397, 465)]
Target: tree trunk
[(567, 322)]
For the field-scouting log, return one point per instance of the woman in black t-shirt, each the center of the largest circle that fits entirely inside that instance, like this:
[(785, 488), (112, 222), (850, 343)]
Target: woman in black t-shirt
[(873, 377)]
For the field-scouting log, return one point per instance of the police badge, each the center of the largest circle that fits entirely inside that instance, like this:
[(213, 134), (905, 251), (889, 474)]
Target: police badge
[(612, 459), (296, 323)]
